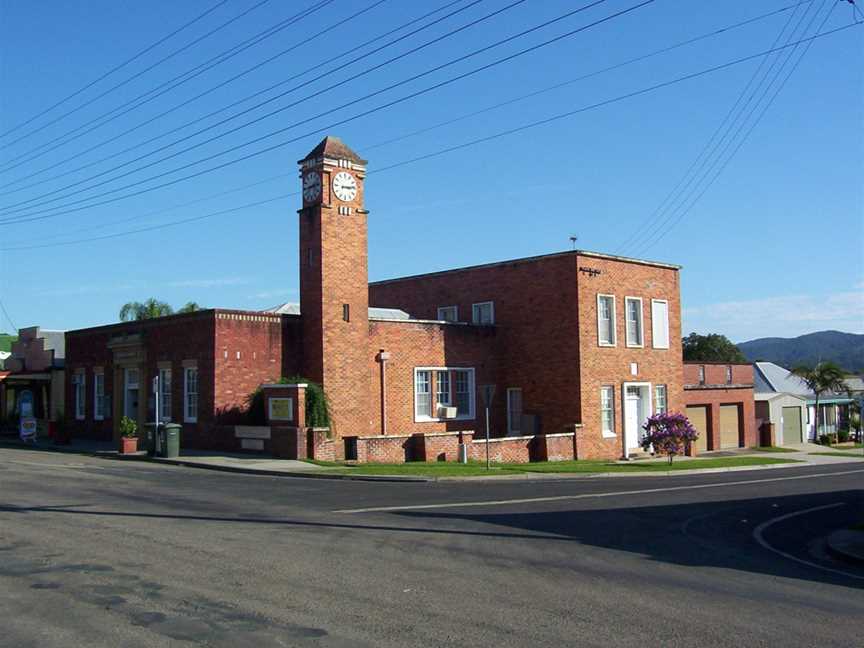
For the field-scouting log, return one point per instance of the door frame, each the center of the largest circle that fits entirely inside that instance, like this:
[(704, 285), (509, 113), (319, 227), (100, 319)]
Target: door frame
[(647, 399)]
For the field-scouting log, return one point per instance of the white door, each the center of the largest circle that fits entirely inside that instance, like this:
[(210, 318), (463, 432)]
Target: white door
[(633, 416), (514, 411)]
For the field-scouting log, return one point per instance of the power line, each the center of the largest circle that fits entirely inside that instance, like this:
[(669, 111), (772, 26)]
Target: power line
[(688, 176), (116, 68), (226, 82), (562, 84), (27, 217), (15, 207), (180, 79), (136, 75), (661, 234), (494, 136), (369, 147), (729, 137), (247, 98)]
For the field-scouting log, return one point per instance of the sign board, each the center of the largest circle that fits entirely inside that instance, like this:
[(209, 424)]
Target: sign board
[(487, 393), (251, 431), (281, 409), (29, 428)]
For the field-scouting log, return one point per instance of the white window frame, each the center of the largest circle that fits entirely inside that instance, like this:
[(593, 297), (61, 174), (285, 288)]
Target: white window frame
[(629, 343), (665, 390), (98, 395), (701, 374), (654, 324), (472, 394), (600, 341), (166, 405), (608, 434), (728, 374), (187, 418), (451, 309), (476, 306), (79, 381)]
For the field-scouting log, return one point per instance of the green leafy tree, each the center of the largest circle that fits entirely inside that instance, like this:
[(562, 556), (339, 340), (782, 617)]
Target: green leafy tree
[(148, 310), (823, 378), (190, 307), (711, 348)]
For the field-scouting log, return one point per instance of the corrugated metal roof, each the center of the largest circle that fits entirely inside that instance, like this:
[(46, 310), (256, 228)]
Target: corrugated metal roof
[(291, 308), (778, 379)]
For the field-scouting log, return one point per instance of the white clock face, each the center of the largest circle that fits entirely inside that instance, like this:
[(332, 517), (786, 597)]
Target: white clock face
[(311, 186), (344, 186)]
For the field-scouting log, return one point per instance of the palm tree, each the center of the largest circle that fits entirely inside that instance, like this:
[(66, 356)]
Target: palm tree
[(824, 377), (148, 310)]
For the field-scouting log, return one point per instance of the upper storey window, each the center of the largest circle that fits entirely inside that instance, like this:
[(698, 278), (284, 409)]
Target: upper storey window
[(633, 310), (448, 313), (660, 323), (483, 313), (606, 320)]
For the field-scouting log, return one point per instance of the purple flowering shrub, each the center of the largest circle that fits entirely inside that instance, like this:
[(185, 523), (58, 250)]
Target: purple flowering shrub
[(668, 434)]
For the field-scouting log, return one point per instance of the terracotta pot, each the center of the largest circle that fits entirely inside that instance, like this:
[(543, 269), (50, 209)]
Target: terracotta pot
[(128, 445)]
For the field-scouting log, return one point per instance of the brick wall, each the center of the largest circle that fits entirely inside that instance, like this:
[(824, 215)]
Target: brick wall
[(713, 398), (601, 365), (415, 344), (716, 373), (535, 323), (268, 348)]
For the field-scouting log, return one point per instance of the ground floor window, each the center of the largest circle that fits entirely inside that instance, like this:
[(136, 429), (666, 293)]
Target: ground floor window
[(79, 385), (607, 410), (190, 394), (514, 411), (165, 394), (453, 387), (99, 396), (660, 405)]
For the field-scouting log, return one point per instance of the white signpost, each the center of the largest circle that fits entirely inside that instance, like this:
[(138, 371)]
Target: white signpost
[(488, 393)]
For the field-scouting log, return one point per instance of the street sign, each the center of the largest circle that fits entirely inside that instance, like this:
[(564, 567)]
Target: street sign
[(487, 393)]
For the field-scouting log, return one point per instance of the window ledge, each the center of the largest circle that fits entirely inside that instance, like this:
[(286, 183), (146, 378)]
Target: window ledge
[(607, 345), (610, 435), (431, 419)]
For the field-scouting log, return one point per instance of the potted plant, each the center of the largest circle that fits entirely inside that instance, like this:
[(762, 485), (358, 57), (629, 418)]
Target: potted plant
[(128, 436)]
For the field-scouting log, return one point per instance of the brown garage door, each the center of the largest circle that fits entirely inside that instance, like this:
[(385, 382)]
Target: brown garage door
[(699, 419), (728, 426), (791, 425)]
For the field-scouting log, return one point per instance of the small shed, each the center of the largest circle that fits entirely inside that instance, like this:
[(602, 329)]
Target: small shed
[(787, 413)]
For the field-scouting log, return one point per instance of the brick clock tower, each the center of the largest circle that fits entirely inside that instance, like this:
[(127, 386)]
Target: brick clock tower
[(334, 283)]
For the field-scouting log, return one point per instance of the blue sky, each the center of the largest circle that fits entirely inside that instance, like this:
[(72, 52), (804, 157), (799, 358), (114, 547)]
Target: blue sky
[(773, 246)]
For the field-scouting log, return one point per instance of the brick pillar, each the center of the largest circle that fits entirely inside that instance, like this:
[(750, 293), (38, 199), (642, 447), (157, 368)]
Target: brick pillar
[(285, 413)]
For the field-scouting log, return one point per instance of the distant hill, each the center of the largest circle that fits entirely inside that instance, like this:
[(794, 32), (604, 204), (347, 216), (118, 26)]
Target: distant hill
[(845, 349), (6, 341)]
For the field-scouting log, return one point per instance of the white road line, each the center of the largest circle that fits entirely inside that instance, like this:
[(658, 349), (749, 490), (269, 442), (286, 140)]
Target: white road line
[(758, 534), (562, 498)]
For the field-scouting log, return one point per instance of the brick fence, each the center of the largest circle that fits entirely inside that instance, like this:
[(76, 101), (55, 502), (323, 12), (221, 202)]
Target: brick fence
[(444, 446)]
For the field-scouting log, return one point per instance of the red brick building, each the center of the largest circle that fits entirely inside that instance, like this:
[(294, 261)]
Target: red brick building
[(720, 404), (581, 347)]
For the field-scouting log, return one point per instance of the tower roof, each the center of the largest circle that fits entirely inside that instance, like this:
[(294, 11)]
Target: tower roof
[(333, 147)]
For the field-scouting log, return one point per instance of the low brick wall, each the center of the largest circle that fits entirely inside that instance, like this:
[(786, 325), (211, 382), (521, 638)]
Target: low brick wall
[(503, 450), (555, 447), (441, 446), (382, 449)]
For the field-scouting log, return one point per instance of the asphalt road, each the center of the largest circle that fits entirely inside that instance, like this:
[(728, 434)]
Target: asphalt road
[(96, 552)]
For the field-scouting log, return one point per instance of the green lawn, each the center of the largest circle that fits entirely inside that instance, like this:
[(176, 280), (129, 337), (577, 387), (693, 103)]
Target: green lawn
[(449, 469), (774, 449), (857, 455)]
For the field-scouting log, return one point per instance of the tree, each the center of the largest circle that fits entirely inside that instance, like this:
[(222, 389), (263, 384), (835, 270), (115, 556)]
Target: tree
[(148, 310), (824, 377), (668, 434), (190, 307), (711, 348)]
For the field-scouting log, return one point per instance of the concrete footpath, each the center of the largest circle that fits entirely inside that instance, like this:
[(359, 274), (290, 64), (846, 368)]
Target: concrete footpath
[(260, 465)]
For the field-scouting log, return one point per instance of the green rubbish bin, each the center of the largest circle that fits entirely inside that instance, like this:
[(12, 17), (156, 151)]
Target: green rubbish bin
[(150, 439), (170, 441)]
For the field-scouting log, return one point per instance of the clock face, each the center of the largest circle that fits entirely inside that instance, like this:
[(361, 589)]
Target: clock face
[(345, 186), (311, 186)]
